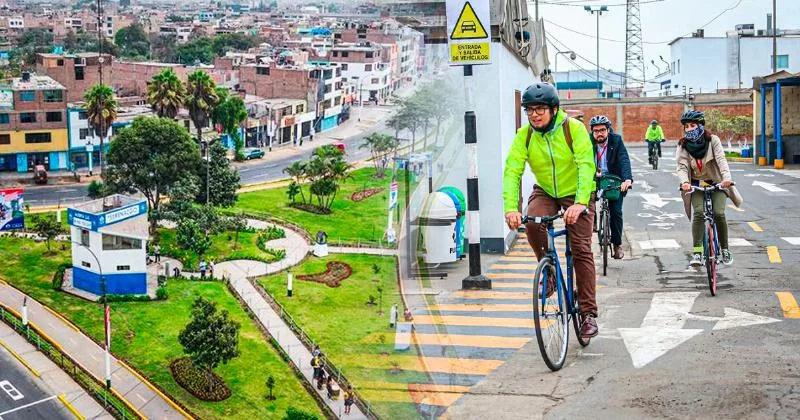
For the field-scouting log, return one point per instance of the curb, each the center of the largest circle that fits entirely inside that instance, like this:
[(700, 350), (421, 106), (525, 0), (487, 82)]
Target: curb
[(21, 360), (156, 390), (739, 159), (69, 407)]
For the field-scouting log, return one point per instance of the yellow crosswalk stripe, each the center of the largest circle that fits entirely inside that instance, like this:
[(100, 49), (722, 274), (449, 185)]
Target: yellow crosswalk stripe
[(489, 294), (774, 255), (480, 307), (509, 275), (788, 304), (513, 267), (755, 227), (521, 285), (474, 321), (455, 366), (515, 258), (481, 341), (527, 254)]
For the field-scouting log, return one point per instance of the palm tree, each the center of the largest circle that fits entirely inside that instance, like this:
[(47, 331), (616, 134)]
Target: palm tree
[(101, 108), (166, 93), (201, 99)]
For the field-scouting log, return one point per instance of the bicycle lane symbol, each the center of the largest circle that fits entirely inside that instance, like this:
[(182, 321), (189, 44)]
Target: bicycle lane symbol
[(11, 390)]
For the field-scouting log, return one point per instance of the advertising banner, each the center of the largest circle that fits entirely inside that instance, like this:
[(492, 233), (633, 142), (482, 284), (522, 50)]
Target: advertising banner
[(12, 205)]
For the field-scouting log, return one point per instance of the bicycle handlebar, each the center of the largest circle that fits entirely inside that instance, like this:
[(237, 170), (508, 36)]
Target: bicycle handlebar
[(714, 187), (546, 219)]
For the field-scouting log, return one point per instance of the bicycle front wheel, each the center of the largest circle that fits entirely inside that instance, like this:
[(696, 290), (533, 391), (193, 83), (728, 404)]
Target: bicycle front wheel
[(550, 316), (655, 161), (711, 259)]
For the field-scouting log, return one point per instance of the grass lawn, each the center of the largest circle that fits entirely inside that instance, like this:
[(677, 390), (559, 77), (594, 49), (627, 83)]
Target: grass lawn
[(350, 221), (222, 248), (349, 331), (146, 334)]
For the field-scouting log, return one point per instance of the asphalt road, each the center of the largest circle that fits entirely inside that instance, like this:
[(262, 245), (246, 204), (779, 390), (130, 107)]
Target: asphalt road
[(667, 348), (21, 397), (267, 169)]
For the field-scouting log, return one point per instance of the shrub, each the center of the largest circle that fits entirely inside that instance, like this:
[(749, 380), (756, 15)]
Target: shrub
[(295, 414), (96, 189), (204, 385), (161, 293), (126, 298), (58, 277)]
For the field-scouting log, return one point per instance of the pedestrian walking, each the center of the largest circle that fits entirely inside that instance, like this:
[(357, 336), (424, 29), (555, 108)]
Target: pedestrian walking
[(211, 269), (316, 351), (348, 400), (157, 252), (329, 386), (203, 267)]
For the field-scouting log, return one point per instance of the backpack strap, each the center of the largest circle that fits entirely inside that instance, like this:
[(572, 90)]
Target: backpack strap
[(567, 135)]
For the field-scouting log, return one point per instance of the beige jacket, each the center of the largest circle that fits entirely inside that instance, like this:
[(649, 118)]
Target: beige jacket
[(715, 168)]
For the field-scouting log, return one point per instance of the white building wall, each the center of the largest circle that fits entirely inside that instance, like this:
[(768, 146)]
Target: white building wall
[(75, 125), (110, 260), (356, 72)]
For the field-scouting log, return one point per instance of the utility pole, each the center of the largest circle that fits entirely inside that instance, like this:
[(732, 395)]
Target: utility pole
[(774, 37), (598, 10), (536, 7), (100, 74)]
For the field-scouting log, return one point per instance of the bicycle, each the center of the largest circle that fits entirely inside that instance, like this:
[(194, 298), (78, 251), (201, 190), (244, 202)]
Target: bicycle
[(609, 189), (554, 311), (654, 154), (711, 247)]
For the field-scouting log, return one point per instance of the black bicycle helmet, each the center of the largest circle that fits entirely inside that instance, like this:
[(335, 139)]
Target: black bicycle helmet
[(654, 122), (693, 116), (599, 120), (540, 93)]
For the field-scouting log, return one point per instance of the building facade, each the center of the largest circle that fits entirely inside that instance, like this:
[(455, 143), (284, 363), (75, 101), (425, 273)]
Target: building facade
[(76, 72), (362, 66)]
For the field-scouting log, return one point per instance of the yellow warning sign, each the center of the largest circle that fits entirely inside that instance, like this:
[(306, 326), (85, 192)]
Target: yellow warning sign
[(468, 26), (474, 52)]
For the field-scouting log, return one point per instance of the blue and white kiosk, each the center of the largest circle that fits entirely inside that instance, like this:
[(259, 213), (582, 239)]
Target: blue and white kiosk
[(109, 242)]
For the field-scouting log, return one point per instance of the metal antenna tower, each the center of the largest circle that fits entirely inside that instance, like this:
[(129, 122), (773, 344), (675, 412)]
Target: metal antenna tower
[(634, 52)]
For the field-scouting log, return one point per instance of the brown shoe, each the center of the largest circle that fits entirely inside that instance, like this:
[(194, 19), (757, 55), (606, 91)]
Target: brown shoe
[(589, 326), (618, 254)]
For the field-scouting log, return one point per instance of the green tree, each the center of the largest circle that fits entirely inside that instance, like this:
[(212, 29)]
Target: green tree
[(101, 108), (196, 50), (190, 236), (442, 106), (201, 99), (211, 337), (380, 147), (230, 113), (132, 41), (152, 156), (165, 48), (224, 179), (270, 385), (292, 190), (297, 414), (166, 93), (48, 228), (297, 171), (326, 170)]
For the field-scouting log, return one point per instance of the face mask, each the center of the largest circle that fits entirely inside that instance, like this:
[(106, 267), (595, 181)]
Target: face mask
[(695, 135)]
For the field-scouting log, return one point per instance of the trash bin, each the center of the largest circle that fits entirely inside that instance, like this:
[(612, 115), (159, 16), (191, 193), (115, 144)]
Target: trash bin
[(321, 245), (438, 220)]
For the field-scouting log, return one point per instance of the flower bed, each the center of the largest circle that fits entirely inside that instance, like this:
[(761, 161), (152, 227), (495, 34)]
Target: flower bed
[(333, 276), (365, 194), (206, 386)]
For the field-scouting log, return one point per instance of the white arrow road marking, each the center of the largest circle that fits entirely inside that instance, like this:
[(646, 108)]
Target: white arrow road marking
[(739, 242), (656, 200), (792, 240), (662, 328), (659, 244), (757, 175), (644, 185), (769, 187)]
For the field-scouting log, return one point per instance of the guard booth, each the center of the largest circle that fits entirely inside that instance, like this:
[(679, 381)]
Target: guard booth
[(109, 238), (438, 224)]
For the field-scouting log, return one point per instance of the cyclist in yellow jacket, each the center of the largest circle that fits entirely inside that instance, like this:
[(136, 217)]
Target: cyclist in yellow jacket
[(564, 180), (654, 136)]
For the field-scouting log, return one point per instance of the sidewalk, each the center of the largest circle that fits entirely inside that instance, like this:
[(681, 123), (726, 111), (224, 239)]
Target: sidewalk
[(139, 394), (55, 381)]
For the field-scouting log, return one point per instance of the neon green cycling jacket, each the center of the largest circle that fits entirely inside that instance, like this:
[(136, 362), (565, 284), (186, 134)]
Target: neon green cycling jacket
[(654, 134), (559, 171)]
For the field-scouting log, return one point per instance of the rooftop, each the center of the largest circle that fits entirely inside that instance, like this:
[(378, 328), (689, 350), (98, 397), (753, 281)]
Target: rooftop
[(106, 204), (33, 83)]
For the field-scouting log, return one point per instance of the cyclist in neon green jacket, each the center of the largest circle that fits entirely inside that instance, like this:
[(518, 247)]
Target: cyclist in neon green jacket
[(653, 136), (565, 174)]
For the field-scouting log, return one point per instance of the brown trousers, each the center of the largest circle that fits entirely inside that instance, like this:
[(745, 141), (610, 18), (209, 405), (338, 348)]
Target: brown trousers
[(580, 239)]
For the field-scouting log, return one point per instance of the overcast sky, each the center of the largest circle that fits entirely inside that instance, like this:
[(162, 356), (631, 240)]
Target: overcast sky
[(662, 22)]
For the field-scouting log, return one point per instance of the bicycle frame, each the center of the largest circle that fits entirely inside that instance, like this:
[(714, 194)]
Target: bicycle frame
[(708, 216), (551, 251)]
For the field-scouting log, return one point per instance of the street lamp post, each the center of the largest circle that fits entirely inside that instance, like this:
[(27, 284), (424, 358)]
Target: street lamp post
[(572, 56), (106, 315), (597, 10), (206, 145)]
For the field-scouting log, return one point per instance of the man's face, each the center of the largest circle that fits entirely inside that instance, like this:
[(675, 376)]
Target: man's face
[(539, 115), (600, 133)]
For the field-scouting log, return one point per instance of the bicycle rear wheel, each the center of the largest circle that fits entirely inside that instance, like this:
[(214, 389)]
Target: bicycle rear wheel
[(550, 317), (711, 259), (577, 320), (655, 161)]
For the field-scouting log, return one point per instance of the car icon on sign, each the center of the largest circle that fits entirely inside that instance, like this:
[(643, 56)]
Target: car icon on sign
[(468, 26)]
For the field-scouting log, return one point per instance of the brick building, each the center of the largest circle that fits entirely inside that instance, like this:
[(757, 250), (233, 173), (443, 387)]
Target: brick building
[(131, 78), (33, 127), (76, 72)]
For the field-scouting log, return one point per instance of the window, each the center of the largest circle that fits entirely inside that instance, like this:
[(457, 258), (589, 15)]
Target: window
[(27, 117), (53, 95), (53, 116), (344, 66), (678, 70), (60, 62), (264, 71), (367, 67), (32, 138), (5, 138), (299, 109), (337, 101), (86, 264), (345, 53), (115, 243), (78, 72), (4, 119), (84, 237), (27, 96), (336, 53), (327, 88), (123, 268), (370, 54), (783, 61), (327, 74), (375, 80), (83, 133)]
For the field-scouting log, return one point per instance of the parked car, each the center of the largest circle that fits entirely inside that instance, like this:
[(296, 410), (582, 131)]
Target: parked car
[(252, 153), (39, 174)]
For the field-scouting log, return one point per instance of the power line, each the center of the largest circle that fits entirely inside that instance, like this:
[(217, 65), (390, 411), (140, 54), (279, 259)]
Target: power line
[(738, 3), (581, 3), (593, 36)]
